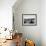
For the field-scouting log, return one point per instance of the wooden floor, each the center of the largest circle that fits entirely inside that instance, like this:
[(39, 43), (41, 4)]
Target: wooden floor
[(9, 43)]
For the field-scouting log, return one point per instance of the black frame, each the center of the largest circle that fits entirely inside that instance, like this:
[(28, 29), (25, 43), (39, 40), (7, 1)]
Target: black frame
[(26, 15)]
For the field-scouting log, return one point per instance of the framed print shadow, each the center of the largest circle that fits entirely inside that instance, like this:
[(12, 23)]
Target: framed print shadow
[(29, 19)]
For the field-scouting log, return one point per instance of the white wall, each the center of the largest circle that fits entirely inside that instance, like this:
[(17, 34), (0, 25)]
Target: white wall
[(28, 7), (43, 22), (6, 13)]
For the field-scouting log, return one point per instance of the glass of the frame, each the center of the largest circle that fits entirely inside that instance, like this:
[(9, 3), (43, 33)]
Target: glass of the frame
[(29, 19)]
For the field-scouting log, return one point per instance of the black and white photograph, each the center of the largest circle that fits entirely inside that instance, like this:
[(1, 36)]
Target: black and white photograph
[(29, 19)]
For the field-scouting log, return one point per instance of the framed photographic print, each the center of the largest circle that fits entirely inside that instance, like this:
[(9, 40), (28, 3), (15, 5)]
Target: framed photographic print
[(29, 19)]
